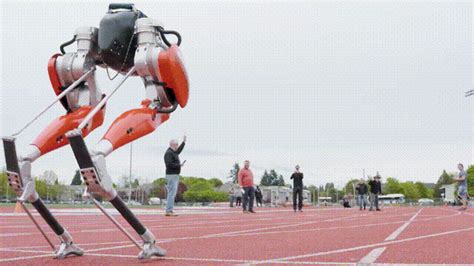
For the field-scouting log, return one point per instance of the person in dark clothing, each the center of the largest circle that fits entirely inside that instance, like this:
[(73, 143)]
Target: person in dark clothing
[(238, 200), (297, 177), (345, 201), (258, 196), (173, 169), (375, 191), (362, 191)]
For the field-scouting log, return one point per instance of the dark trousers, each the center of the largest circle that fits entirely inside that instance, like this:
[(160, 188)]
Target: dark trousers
[(248, 198), (374, 200), (231, 200), (259, 200), (238, 201), (298, 193)]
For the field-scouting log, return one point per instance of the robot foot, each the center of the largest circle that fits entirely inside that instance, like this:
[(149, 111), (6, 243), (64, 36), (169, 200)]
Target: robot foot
[(149, 247), (150, 250), (67, 247)]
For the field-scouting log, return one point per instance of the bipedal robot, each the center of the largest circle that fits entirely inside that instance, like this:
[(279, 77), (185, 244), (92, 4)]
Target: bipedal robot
[(132, 44)]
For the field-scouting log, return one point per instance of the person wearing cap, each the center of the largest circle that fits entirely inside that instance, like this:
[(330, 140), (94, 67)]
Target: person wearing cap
[(297, 177), (245, 178), (375, 191)]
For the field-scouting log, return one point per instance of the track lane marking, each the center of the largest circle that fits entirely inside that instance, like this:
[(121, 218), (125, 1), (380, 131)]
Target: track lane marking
[(221, 260), (399, 230), (392, 242), (166, 240), (26, 258), (444, 233), (372, 256)]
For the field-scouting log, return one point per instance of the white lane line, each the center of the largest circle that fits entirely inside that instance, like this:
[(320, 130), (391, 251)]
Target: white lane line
[(147, 212), (372, 256), (221, 260), (283, 226), (26, 251), (384, 243), (284, 260), (25, 258), (397, 232), (184, 223), (166, 240)]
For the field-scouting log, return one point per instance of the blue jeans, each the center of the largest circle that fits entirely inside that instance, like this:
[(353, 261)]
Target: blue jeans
[(248, 198), (172, 182), (362, 200), (462, 192)]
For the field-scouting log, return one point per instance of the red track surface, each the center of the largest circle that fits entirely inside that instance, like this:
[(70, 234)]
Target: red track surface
[(430, 235)]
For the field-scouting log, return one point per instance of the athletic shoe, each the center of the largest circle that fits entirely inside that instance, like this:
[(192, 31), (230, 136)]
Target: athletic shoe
[(252, 211), (170, 214), (378, 210), (245, 211), (301, 210)]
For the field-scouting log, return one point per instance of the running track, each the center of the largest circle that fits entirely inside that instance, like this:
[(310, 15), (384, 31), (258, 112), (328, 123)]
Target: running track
[(218, 236)]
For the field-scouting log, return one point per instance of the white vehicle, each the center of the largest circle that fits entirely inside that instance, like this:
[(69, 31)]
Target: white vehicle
[(392, 198), (134, 203), (154, 201), (425, 202)]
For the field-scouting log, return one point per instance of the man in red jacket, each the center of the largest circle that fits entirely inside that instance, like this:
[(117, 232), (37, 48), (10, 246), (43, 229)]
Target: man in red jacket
[(245, 178)]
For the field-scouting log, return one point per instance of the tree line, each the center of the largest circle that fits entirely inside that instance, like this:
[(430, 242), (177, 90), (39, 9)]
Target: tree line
[(196, 189)]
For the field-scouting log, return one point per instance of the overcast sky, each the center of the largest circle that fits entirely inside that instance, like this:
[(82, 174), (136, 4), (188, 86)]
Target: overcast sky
[(333, 86)]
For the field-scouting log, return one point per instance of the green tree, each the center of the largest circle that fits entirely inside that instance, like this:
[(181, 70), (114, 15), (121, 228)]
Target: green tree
[(76, 180), (392, 186), (265, 180), (350, 185), (470, 179), (202, 190), (135, 183), (423, 191), (159, 181), (328, 186), (41, 187), (216, 182), (234, 173), (410, 191), (272, 178), (201, 185), (5, 189)]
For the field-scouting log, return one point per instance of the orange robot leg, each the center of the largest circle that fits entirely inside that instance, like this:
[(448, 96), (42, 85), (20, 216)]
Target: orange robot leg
[(134, 124), (53, 137)]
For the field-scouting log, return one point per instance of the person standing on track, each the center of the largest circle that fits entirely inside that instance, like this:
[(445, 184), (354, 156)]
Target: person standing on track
[(462, 186), (297, 177), (258, 196), (238, 196), (231, 196), (362, 190), (245, 178), (173, 169), (375, 191)]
